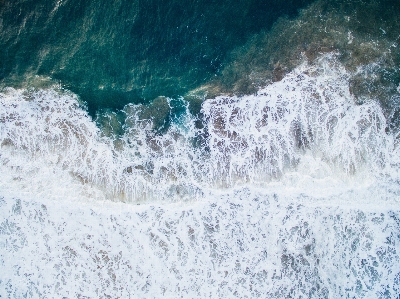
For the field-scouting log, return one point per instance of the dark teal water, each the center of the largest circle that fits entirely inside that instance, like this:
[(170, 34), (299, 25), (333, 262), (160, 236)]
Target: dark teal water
[(119, 52), (114, 53)]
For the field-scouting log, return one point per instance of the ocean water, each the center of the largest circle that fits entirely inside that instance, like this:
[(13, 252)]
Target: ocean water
[(200, 150)]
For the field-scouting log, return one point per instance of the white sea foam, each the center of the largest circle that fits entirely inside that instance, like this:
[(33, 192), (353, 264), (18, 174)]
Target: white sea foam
[(291, 192), (309, 116), (246, 242)]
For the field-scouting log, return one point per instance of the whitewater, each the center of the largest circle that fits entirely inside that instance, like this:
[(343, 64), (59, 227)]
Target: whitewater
[(292, 192)]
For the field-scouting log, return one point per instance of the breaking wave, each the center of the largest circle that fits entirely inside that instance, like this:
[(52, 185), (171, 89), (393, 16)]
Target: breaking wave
[(310, 115), (292, 192)]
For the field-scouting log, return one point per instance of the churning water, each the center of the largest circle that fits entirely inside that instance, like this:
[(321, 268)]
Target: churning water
[(290, 191)]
